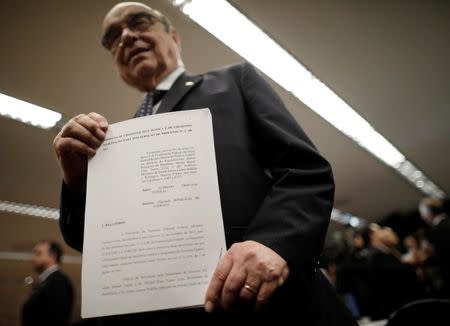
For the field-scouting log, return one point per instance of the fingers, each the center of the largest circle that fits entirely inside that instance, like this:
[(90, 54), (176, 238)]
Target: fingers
[(250, 272), (85, 128), (83, 133), (250, 288), (101, 120), (73, 145), (284, 275), (265, 293), (232, 287), (217, 282), (91, 122)]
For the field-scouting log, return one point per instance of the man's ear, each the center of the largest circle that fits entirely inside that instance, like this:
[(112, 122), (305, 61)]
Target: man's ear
[(53, 257), (176, 38)]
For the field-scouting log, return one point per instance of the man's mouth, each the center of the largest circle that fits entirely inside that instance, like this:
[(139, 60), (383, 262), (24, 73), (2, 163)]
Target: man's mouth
[(135, 52)]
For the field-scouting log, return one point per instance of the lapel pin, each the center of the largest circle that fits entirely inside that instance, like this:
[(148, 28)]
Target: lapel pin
[(189, 83)]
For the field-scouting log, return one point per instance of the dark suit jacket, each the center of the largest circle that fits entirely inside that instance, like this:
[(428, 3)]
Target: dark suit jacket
[(391, 284), (439, 237), (287, 209), (353, 277), (50, 302)]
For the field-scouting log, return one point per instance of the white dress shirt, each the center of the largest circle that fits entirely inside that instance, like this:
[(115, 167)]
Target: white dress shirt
[(167, 83), (49, 271), (438, 219)]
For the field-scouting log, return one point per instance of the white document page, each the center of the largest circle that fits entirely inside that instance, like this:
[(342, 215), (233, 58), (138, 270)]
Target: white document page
[(153, 223)]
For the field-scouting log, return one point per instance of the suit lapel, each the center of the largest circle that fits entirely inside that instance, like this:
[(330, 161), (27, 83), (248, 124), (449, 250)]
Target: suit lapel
[(179, 89)]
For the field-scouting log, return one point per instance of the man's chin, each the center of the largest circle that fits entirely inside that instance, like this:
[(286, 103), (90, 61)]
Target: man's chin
[(144, 70), (142, 76)]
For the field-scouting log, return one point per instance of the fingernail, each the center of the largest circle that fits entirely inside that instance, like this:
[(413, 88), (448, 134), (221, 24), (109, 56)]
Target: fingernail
[(209, 307), (103, 124)]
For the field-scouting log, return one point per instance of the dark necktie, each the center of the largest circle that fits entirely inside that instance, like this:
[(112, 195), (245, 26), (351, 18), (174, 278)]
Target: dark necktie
[(151, 98)]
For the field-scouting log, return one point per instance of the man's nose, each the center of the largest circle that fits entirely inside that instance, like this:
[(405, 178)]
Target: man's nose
[(128, 36)]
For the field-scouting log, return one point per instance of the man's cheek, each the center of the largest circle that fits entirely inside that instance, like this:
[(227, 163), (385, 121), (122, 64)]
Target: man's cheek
[(120, 56)]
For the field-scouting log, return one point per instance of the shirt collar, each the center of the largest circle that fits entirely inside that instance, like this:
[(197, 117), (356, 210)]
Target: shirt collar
[(47, 273), (438, 219), (167, 82), (383, 248)]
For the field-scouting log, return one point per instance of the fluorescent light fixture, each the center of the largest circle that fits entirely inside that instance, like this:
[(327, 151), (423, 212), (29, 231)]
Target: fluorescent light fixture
[(340, 217), (26, 209), (354, 221), (418, 179), (178, 2), (236, 31), (347, 218), (26, 256), (28, 113)]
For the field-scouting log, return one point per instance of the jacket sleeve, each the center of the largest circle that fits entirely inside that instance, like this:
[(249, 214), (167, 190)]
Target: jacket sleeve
[(295, 213), (71, 217)]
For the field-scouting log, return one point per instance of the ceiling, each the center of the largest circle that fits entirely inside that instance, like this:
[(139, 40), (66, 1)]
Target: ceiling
[(387, 59)]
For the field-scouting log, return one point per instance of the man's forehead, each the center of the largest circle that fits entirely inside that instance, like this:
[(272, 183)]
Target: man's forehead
[(122, 10), (41, 246)]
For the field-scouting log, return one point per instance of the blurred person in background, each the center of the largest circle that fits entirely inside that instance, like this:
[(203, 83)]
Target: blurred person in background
[(51, 301), (416, 255), (438, 235), (412, 246), (352, 274), (391, 283), (329, 261)]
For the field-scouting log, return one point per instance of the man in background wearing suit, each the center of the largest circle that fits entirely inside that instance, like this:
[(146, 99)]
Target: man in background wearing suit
[(391, 283), (433, 213), (276, 190), (52, 299)]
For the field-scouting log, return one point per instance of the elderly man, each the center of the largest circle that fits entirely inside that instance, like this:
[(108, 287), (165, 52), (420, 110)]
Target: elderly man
[(276, 190)]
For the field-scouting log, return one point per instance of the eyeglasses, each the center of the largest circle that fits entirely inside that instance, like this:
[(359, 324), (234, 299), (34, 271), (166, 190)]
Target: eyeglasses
[(137, 22)]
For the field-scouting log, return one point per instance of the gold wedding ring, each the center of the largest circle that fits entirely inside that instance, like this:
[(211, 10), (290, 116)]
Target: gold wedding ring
[(249, 288)]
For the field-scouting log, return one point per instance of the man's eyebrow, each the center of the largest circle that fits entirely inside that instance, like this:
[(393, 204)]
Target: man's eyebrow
[(128, 18)]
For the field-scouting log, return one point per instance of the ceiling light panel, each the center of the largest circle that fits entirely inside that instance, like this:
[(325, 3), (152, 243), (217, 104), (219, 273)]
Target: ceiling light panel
[(235, 30), (26, 209), (28, 113)]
